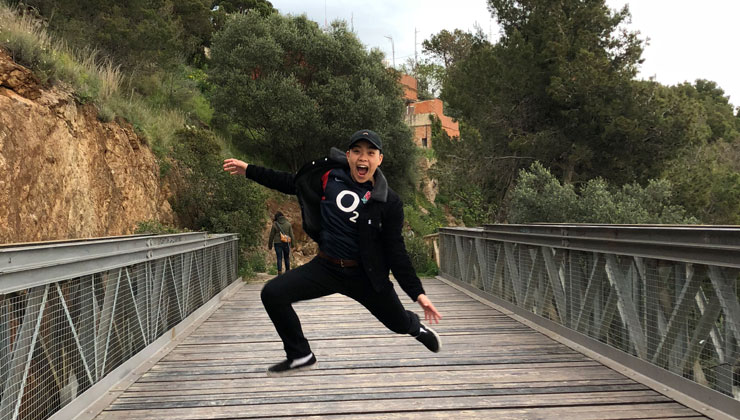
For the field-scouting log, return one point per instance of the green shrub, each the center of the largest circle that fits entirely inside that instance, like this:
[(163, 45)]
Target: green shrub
[(468, 205), (211, 199), (256, 261), (421, 255), (539, 197), (155, 227), (707, 181), (420, 223)]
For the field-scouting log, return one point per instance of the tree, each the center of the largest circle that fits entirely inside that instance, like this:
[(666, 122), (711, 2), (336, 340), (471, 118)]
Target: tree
[(557, 87), (262, 7), (450, 47), (460, 170), (717, 110), (428, 77), (145, 35), (223, 8), (442, 51), (195, 18), (707, 181), (291, 91)]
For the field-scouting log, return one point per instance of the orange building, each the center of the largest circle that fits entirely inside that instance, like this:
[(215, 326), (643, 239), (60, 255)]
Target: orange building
[(419, 114)]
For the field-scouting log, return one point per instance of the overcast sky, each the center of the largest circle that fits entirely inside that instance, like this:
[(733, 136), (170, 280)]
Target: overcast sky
[(688, 39)]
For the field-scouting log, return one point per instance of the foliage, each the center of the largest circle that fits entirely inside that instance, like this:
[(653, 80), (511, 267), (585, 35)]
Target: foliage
[(140, 35), (421, 255), (450, 47), (707, 181), (442, 50), (155, 227), (158, 109), (223, 8), (29, 44), (716, 109), (210, 199), (422, 217), (180, 89), (468, 206), (463, 173), (254, 262), (194, 17), (429, 79), (540, 197), (557, 87), (290, 91), (428, 75)]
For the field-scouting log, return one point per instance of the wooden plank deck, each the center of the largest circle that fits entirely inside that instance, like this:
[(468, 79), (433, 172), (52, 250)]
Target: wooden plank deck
[(490, 367)]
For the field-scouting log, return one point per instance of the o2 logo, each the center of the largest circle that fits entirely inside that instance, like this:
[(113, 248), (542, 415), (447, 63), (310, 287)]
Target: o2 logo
[(352, 207)]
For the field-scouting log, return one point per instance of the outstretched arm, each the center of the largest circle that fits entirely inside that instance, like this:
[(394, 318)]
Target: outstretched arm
[(277, 180)]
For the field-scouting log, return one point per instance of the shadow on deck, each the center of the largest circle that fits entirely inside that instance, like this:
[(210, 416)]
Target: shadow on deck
[(491, 366)]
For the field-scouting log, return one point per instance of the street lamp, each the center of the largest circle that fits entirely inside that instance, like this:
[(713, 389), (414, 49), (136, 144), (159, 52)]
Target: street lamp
[(393, 50)]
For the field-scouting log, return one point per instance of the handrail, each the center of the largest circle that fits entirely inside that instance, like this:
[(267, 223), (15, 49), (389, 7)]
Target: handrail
[(716, 245), (73, 312), (664, 295), (28, 266)]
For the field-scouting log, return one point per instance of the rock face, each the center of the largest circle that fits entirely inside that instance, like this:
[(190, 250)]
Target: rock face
[(63, 173)]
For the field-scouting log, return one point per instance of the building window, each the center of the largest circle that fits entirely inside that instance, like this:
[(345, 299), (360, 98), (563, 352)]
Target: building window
[(424, 142)]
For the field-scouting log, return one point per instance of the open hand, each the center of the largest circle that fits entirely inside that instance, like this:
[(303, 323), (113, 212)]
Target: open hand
[(430, 312), (235, 166)]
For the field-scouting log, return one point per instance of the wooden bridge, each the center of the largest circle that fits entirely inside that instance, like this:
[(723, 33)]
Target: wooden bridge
[(540, 321), (491, 367)]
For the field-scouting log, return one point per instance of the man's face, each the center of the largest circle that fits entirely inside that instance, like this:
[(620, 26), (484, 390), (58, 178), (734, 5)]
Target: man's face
[(363, 160)]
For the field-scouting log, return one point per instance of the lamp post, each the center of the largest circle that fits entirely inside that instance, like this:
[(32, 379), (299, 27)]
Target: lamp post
[(393, 50)]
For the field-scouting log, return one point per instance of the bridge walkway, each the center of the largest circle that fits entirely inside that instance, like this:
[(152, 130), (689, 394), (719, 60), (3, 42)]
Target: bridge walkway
[(491, 366)]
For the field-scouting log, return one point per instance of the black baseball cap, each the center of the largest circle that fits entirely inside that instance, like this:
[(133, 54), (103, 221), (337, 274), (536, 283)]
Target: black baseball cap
[(368, 135)]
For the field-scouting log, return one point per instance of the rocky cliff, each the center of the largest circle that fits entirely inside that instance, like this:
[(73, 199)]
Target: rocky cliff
[(65, 174)]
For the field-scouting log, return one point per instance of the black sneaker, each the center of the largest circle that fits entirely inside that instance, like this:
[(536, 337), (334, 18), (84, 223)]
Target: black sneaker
[(429, 338), (289, 367)]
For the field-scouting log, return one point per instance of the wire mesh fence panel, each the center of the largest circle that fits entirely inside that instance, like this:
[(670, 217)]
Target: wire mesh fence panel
[(60, 338), (679, 312)]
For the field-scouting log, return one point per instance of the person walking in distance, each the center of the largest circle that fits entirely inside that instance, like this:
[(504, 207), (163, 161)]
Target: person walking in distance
[(281, 237), (356, 219)]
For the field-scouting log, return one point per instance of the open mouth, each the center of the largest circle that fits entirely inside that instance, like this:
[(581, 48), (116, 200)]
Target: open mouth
[(362, 170)]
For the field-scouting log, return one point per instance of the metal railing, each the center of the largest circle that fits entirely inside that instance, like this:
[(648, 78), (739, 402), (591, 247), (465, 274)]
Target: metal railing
[(71, 312), (667, 295)]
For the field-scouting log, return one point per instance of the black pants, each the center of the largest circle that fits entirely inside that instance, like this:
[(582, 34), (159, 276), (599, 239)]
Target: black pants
[(320, 278), (282, 249)]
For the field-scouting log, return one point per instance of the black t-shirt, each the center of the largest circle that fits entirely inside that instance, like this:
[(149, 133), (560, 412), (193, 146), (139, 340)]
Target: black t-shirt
[(341, 205)]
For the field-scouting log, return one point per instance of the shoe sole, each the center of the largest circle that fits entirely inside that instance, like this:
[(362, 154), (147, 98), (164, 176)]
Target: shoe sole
[(292, 371)]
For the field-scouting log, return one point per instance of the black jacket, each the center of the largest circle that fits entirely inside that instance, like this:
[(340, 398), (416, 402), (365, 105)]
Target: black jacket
[(381, 244)]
